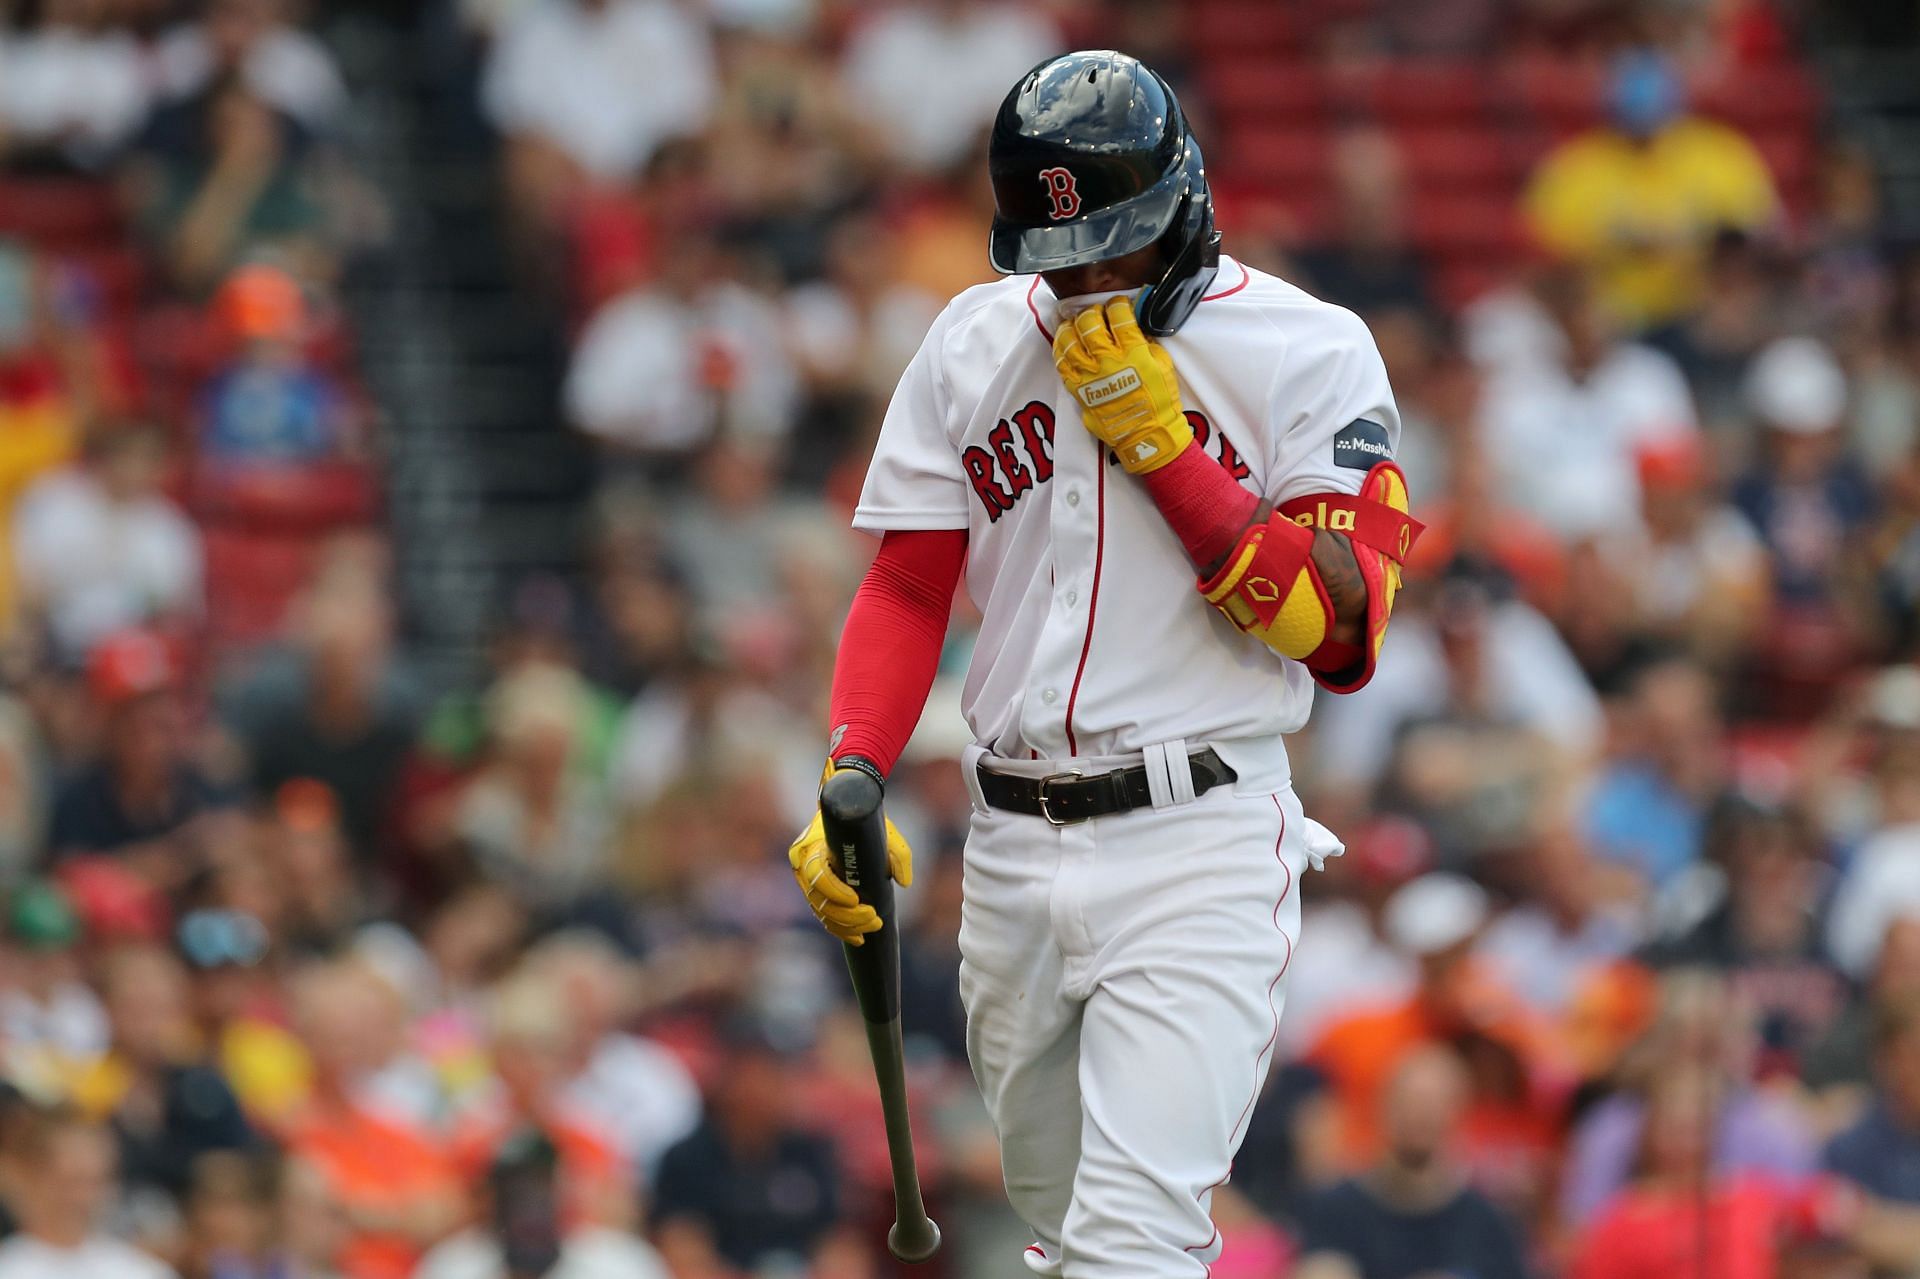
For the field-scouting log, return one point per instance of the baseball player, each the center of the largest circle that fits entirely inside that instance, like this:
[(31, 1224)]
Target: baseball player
[(1168, 478)]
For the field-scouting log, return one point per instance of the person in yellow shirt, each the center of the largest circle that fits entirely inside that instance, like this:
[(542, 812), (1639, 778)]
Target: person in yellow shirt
[(39, 428), (1639, 200)]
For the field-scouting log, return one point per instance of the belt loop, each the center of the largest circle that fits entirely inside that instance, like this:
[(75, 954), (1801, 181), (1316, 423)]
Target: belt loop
[(970, 773), (1179, 770), (1159, 784)]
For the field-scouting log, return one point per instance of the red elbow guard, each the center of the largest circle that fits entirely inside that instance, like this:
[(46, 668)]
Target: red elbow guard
[(1376, 522), (1269, 588)]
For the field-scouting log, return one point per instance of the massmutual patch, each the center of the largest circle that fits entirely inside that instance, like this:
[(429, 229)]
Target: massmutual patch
[(1360, 444)]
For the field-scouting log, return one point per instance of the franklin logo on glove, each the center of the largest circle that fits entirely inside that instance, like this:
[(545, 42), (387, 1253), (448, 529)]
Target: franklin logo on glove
[(1106, 388)]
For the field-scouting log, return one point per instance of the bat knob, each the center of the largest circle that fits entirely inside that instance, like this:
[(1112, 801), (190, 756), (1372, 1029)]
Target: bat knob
[(913, 1241), (850, 795)]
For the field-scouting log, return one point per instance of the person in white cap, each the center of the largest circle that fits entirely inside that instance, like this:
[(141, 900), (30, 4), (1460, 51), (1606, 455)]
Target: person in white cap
[(1806, 498), (1435, 920)]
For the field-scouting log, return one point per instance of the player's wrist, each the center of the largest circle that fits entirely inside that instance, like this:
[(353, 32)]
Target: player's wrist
[(859, 763)]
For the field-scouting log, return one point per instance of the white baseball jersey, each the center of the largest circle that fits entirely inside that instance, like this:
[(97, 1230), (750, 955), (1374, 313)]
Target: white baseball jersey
[(1093, 640)]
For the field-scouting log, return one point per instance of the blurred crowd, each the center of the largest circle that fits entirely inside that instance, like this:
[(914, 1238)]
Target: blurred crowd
[(311, 968)]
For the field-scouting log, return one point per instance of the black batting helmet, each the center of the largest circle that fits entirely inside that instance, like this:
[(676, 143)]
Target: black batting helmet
[(1091, 158)]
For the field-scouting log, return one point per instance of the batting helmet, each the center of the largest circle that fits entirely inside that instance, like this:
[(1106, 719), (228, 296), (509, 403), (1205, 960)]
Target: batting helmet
[(1092, 159)]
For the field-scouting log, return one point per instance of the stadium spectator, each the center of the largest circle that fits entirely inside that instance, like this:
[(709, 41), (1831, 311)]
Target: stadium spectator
[(528, 1038), (59, 1205), (854, 330), (146, 803), (74, 89), (230, 1218), (1812, 506), (1564, 430), (51, 1021), (1569, 924), (1351, 963), (60, 372), (269, 404), (164, 1103), (1647, 807), (748, 1188), (930, 123), (1763, 934), (1640, 199), (1677, 1198), (1702, 1034), (222, 176), (694, 355), (288, 68), (1475, 656), (39, 419), (337, 706), (631, 1091), (1412, 1213), (1843, 1061), (1366, 261), (99, 546), (321, 901), (1880, 1153), (536, 816), (560, 86), (1696, 569), (518, 1230), (1437, 920), (397, 1189)]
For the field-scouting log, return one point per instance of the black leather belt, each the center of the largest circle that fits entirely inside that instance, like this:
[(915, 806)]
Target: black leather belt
[(1067, 798)]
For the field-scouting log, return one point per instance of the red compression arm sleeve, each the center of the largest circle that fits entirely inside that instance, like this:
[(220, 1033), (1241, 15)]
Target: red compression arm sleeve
[(891, 646), (1203, 505)]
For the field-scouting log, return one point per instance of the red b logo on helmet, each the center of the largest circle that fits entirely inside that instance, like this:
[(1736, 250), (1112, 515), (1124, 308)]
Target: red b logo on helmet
[(1063, 190)]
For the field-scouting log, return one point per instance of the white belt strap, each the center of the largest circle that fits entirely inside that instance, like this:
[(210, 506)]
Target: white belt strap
[(1169, 775), (970, 773)]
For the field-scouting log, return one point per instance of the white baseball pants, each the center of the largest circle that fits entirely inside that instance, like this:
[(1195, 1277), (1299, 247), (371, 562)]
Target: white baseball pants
[(1123, 981)]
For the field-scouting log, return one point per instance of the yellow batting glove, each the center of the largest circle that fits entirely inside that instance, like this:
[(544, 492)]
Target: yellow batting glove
[(1129, 394), (837, 907)]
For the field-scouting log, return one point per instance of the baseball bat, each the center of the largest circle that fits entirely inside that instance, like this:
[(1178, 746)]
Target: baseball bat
[(856, 832)]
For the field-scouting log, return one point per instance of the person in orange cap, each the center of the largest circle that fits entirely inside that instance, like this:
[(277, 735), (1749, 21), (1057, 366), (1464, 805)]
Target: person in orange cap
[(270, 403)]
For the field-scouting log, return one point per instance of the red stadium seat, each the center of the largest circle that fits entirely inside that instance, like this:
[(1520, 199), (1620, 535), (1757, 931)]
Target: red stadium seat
[(1552, 92), (1256, 90), (1279, 158), (1460, 281), (1225, 27), (59, 213), (117, 271), (1468, 227), (294, 498), (1761, 98), (1453, 158), (251, 579), (1789, 154), (1422, 91)]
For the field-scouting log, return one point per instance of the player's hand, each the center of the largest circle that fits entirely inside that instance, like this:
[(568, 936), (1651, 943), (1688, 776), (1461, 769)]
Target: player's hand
[(1129, 394), (835, 904)]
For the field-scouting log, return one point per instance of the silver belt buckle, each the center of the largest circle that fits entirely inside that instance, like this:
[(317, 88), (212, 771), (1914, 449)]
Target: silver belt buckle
[(1045, 810)]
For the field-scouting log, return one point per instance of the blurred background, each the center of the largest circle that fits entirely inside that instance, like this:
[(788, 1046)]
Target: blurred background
[(428, 432)]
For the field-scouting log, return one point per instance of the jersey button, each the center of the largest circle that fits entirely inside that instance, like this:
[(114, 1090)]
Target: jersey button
[(1048, 696), (1073, 597), (1073, 497)]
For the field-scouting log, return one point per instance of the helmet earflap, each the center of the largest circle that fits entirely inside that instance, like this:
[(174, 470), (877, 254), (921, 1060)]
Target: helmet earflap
[(1193, 259)]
